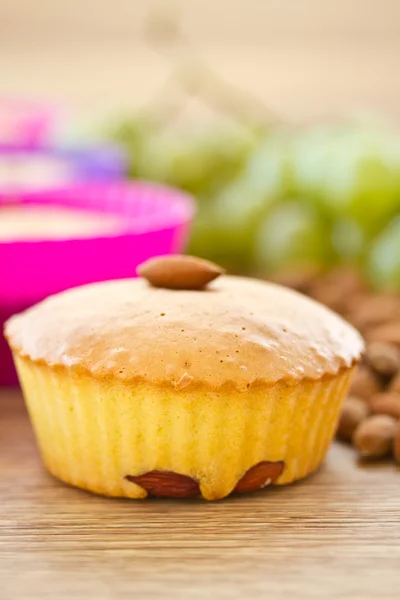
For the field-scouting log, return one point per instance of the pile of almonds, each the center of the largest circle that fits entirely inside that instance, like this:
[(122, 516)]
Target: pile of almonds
[(370, 417)]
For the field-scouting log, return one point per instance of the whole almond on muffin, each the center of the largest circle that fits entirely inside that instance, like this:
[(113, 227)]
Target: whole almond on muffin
[(179, 272), (137, 390)]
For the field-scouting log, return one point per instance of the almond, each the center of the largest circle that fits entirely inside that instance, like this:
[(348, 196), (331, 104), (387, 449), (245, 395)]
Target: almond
[(396, 445), (299, 279), (388, 333), (374, 437), (374, 310), (166, 484), (395, 384), (331, 296), (387, 403), (179, 272), (337, 287), (365, 383), (353, 412), (346, 278), (261, 475), (383, 357)]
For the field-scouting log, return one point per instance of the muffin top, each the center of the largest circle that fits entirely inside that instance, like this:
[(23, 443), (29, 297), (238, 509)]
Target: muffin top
[(238, 332)]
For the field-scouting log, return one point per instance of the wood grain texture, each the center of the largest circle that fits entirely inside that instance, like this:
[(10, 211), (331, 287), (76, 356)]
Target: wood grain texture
[(336, 535)]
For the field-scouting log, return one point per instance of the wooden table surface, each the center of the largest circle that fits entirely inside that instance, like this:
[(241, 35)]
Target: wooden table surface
[(336, 535)]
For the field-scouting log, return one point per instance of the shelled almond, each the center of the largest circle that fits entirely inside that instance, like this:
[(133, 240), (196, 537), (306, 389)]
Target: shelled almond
[(370, 417), (374, 437), (386, 403), (354, 411)]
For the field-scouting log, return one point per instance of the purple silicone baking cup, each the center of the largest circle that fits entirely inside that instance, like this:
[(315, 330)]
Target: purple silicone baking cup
[(154, 220), (95, 163)]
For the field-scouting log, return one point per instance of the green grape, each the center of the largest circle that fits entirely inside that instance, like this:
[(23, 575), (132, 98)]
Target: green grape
[(198, 162), (133, 135), (383, 265), (268, 169), (227, 150), (349, 171), (211, 239), (163, 157), (348, 240), (224, 230), (291, 235)]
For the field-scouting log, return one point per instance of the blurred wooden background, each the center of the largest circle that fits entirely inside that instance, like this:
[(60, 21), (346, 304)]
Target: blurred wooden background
[(303, 57)]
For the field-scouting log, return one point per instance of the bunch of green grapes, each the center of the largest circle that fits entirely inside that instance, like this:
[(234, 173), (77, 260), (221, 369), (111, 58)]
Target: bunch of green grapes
[(271, 199)]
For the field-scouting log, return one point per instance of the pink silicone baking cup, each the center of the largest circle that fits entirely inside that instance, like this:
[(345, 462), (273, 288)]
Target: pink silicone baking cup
[(26, 122), (155, 220)]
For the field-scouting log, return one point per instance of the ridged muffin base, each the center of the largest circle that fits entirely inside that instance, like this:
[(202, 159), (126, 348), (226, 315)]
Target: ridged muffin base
[(93, 434)]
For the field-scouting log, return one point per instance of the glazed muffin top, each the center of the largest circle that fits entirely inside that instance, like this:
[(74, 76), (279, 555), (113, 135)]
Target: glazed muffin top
[(238, 332)]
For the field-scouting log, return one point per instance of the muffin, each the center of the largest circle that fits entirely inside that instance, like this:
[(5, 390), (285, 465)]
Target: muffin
[(176, 385)]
